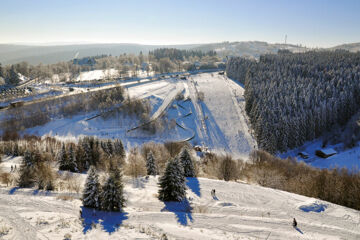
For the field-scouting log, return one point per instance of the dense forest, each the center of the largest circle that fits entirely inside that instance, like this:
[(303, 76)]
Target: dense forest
[(295, 97)]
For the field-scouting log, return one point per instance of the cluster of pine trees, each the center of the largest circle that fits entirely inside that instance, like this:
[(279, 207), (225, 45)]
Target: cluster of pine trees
[(291, 98), (173, 183), (180, 55), (110, 196), (10, 75), (90, 151)]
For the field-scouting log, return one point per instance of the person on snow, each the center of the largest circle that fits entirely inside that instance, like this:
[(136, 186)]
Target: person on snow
[(294, 223)]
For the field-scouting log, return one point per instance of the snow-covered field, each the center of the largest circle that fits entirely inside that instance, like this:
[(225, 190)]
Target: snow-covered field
[(349, 158), (107, 73), (238, 211)]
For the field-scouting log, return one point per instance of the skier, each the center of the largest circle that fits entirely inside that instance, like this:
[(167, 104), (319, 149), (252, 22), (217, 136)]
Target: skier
[(11, 168), (294, 223), (213, 193)]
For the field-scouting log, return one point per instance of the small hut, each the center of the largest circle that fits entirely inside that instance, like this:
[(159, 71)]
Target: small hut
[(325, 153), (303, 155)]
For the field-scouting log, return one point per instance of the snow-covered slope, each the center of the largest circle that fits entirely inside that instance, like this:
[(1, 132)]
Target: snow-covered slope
[(238, 211), (223, 109), (218, 122)]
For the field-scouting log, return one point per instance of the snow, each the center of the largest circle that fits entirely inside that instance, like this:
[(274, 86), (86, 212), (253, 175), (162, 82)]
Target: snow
[(218, 122), (107, 73), (227, 127), (344, 158), (96, 75), (238, 211)]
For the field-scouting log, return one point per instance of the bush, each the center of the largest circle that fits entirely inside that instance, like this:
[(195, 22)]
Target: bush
[(339, 186), (136, 164), (228, 168)]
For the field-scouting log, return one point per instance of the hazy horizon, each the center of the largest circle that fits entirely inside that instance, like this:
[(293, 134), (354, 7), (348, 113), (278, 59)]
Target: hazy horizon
[(321, 23)]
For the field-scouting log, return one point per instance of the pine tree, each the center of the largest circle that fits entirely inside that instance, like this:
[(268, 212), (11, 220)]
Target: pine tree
[(187, 163), (172, 183), (92, 190), (87, 153), (150, 164), (16, 150), (71, 163), (63, 159), (26, 172), (119, 148), (14, 77), (1, 71), (110, 147), (112, 193)]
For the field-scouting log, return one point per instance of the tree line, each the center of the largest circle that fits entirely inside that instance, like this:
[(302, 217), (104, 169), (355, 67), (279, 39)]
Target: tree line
[(291, 98), (158, 61)]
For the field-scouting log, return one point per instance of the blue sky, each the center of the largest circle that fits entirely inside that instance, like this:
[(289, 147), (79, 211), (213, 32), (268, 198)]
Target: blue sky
[(317, 23)]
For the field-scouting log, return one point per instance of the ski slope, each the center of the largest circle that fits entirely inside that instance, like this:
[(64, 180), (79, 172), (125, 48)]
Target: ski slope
[(238, 211), (218, 122), (226, 125)]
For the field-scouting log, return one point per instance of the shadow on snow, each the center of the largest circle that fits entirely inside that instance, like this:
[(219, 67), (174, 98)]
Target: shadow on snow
[(182, 211), (13, 190), (194, 185), (314, 207), (110, 221), (298, 229)]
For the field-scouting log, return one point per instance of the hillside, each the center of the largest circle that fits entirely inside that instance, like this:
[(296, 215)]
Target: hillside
[(218, 123), (238, 211), (352, 47), (10, 54), (249, 49)]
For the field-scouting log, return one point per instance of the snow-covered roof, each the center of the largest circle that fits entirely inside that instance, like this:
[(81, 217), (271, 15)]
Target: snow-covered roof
[(328, 151), (303, 153)]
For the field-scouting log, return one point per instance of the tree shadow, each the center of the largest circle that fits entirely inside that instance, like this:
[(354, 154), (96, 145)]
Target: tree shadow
[(182, 211), (110, 221), (36, 192), (194, 185), (13, 190), (298, 229)]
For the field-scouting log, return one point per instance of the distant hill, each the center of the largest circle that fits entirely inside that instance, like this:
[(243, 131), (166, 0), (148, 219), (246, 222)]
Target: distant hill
[(251, 49), (52, 54), (352, 47), (10, 54)]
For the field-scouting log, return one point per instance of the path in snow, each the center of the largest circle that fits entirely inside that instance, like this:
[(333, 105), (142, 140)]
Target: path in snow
[(239, 211)]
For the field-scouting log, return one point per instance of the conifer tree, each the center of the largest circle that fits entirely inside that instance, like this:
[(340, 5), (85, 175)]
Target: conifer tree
[(26, 172), (119, 148), (1, 71), (63, 159), (112, 193), (172, 183), (187, 163), (110, 147), (150, 164), (92, 190), (71, 163), (14, 77), (16, 150)]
